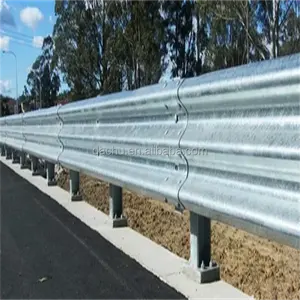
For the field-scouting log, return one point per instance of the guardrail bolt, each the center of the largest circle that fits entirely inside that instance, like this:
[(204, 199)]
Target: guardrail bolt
[(74, 186), (116, 206), (176, 118), (201, 265)]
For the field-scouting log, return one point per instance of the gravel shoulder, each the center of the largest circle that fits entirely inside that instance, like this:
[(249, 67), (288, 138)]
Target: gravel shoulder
[(258, 267)]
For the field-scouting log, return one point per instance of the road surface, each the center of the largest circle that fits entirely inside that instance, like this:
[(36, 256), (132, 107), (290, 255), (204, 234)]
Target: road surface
[(48, 253)]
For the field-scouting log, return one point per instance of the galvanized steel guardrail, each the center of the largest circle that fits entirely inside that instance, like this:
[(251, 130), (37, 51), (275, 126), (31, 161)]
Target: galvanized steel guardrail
[(224, 145)]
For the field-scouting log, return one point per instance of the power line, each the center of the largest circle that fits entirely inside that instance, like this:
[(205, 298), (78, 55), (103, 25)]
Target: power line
[(9, 31), (18, 37), (20, 42), (14, 35)]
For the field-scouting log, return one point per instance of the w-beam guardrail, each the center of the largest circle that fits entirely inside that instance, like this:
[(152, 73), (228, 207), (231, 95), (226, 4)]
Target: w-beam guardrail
[(224, 146)]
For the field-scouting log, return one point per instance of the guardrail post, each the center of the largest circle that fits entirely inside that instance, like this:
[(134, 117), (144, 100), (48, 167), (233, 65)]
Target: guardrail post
[(200, 250), (34, 166), (2, 151), (116, 206), (74, 186), (15, 157), (7, 152), (22, 160), (50, 174)]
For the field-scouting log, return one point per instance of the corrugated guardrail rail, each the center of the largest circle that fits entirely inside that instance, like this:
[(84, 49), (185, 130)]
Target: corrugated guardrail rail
[(224, 145)]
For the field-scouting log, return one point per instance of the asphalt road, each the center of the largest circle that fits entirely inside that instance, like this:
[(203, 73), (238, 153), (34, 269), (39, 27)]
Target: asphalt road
[(47, 253)]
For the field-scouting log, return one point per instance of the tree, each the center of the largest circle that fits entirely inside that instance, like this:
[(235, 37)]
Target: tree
[(106, 46), (43, 79), (76, 47), (7, 105), (274, 18)]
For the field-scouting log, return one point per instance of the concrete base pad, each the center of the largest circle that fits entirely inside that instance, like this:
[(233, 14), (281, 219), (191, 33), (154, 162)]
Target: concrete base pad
[(155, 258), (205, 275)]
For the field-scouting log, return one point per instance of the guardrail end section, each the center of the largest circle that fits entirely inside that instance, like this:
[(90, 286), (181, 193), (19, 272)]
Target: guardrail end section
[(201, 268)]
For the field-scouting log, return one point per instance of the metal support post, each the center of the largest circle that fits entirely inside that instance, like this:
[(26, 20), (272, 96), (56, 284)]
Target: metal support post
[(2, 150), (22, 160), (34, 166), (8, 153), (50, 174), (43, 169), (202, 268), (74, 186), (15, 157), (116, 206)]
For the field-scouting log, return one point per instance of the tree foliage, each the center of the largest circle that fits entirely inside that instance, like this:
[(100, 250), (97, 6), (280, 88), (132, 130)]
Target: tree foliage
[(7, 105), (101, 46), (43, 79)]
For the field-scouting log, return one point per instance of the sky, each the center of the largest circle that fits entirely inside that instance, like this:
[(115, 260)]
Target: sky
[(23, 25)]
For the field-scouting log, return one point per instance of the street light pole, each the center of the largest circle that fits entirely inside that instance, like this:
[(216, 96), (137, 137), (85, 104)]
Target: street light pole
[(17, 102)]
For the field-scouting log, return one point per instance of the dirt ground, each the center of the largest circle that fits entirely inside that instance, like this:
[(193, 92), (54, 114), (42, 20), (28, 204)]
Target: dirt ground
[(258, 267)]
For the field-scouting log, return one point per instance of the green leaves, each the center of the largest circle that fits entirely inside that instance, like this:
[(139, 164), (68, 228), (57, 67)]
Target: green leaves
[(106, 46), (43, 79)]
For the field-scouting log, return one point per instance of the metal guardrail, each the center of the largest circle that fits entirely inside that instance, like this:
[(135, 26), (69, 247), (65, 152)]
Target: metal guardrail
[(224, 145)]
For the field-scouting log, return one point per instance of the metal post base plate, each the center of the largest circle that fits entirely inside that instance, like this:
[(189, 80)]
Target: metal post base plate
[(52, 183), (203, 275), (36, 173), (118, 222), (76, 198), (16, 160)]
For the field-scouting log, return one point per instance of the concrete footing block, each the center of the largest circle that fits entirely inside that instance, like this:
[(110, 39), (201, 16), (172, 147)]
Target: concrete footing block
[(204, 274)]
